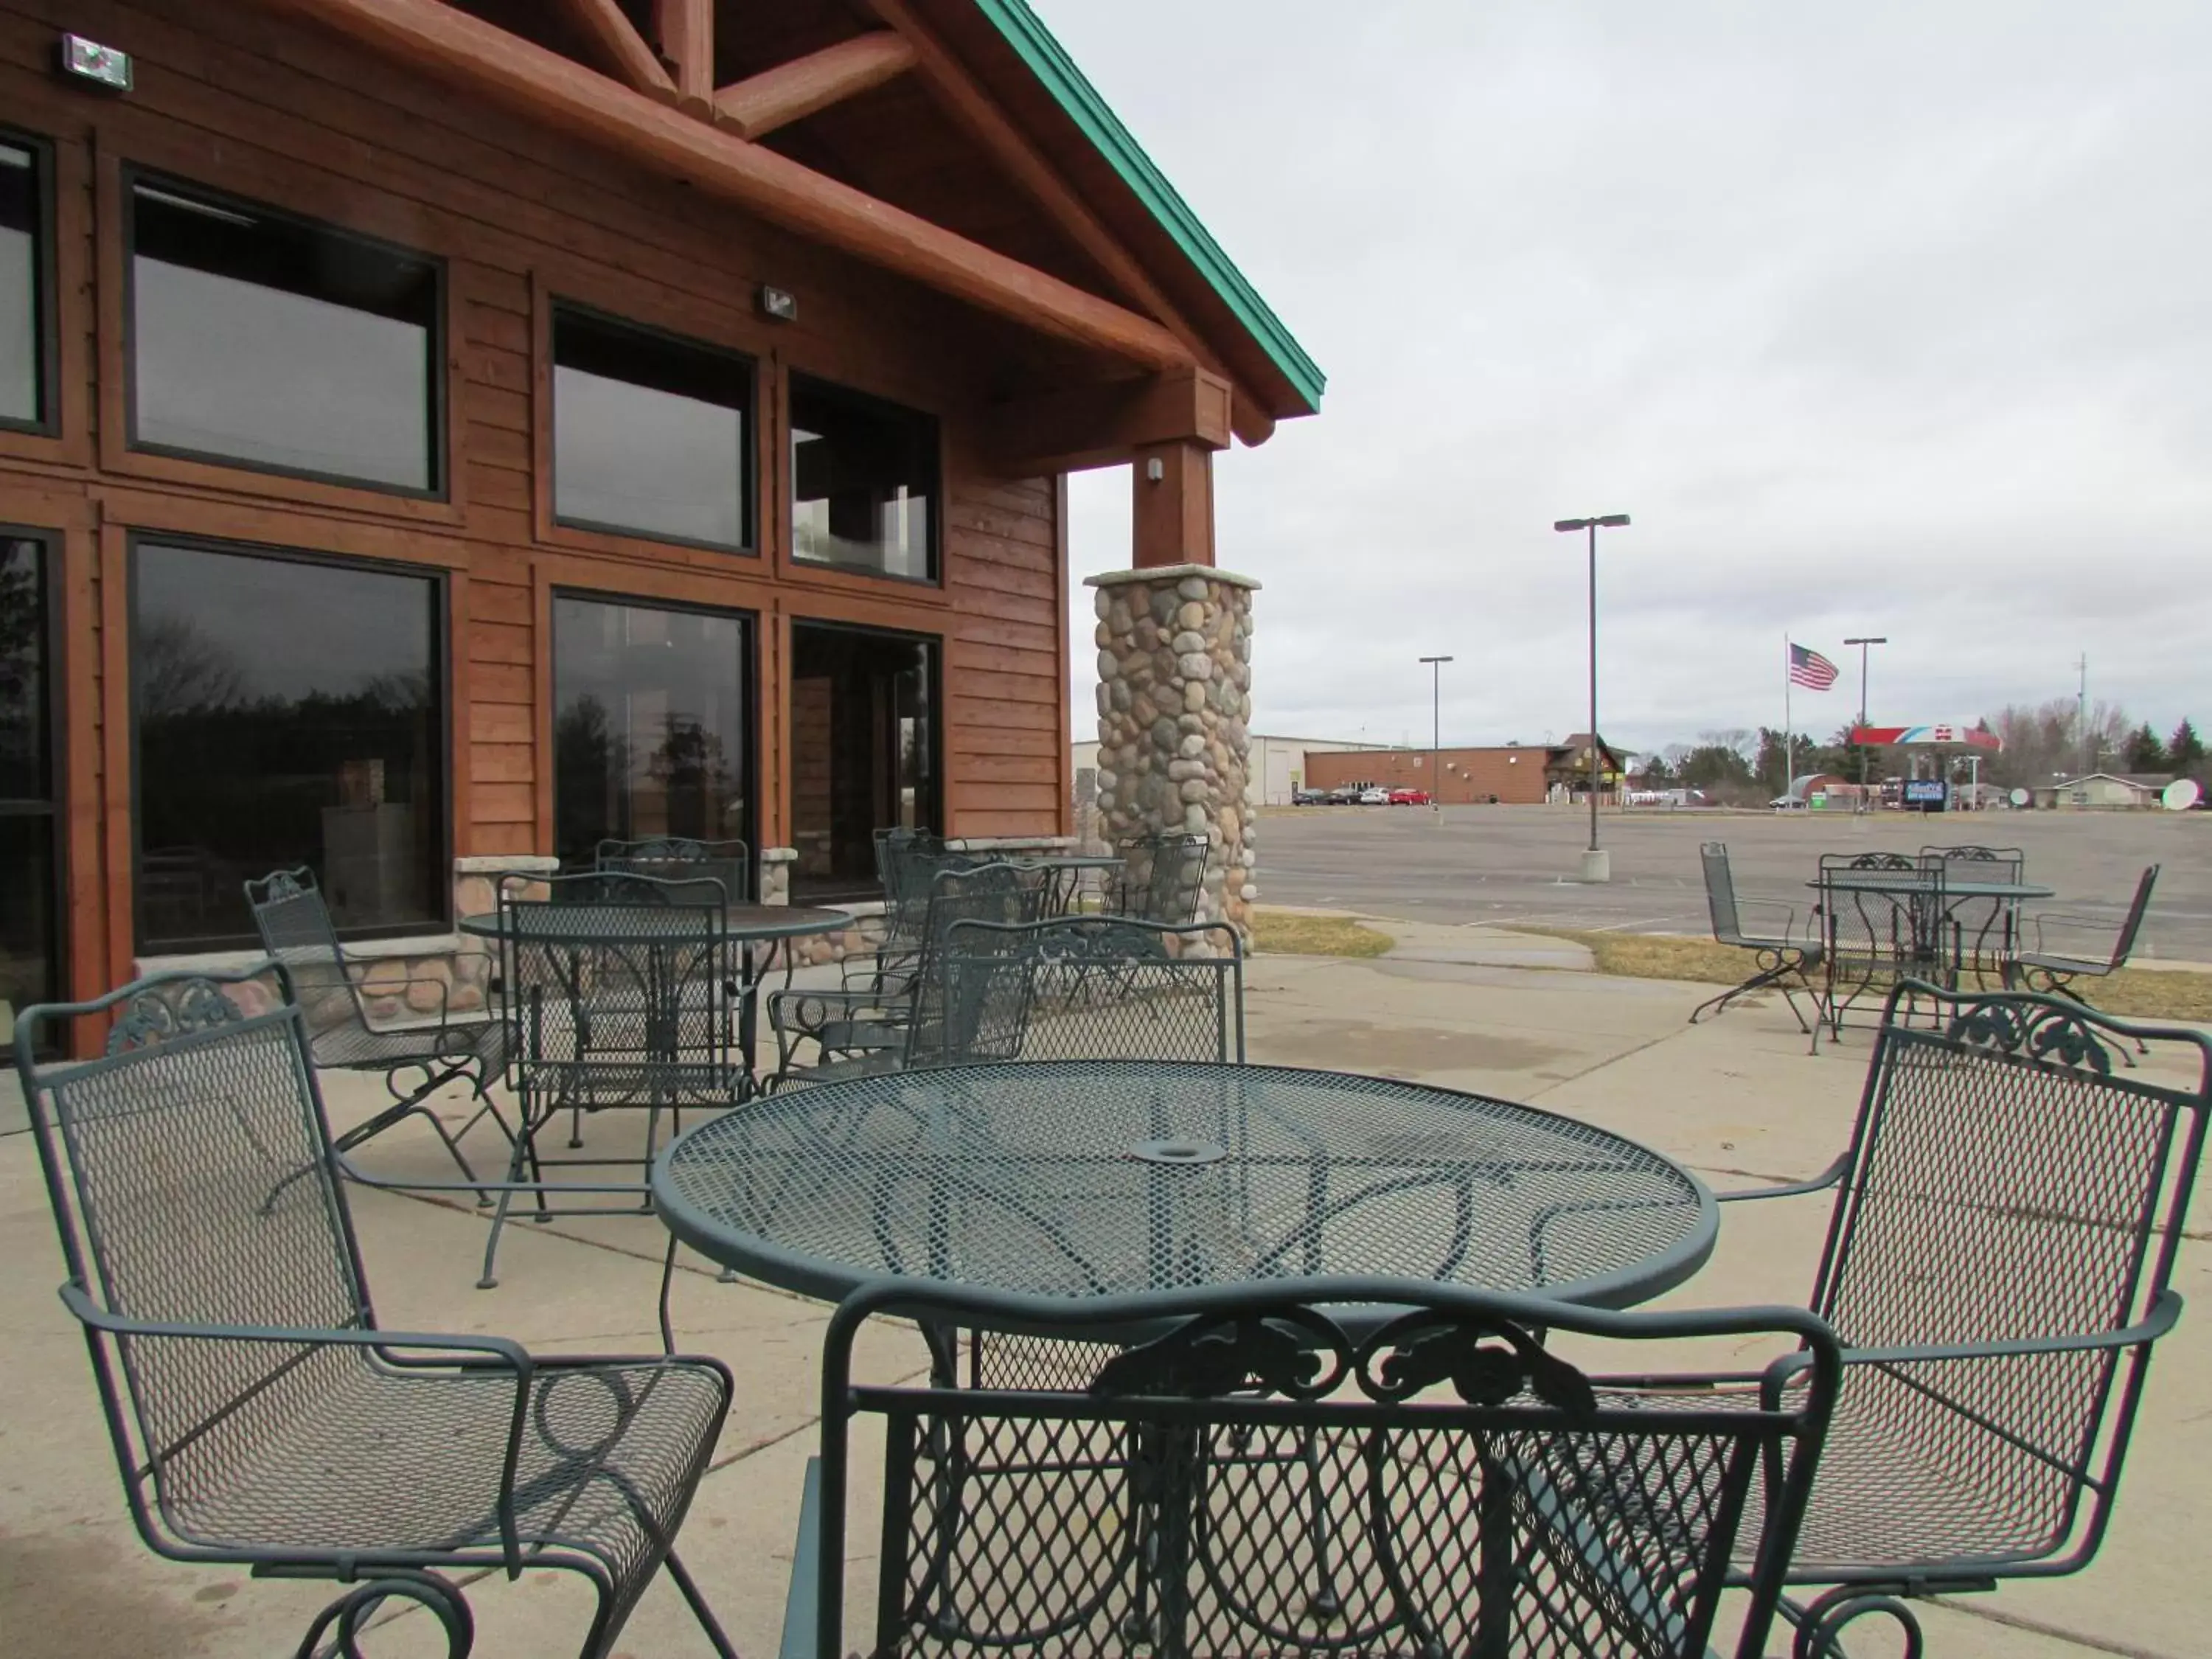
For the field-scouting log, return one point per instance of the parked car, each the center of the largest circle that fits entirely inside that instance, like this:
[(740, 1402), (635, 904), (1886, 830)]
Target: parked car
[(1376, 797), (1409, 798), (1347, 794), (1309, 797)]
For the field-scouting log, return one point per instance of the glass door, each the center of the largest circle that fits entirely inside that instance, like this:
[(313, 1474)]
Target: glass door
[(864, 742), (30, 963)]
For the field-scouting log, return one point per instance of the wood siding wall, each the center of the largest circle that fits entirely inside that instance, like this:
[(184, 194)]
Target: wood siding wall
[(284, 113)]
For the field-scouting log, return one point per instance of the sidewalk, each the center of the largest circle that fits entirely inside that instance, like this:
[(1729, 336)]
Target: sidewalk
[(1737, 1098)]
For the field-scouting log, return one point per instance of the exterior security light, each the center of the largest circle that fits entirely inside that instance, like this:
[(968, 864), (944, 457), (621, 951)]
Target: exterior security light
[(90, 61)]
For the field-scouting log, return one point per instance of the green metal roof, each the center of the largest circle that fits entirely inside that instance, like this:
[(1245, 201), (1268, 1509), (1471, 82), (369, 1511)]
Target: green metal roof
[(1049, 61)]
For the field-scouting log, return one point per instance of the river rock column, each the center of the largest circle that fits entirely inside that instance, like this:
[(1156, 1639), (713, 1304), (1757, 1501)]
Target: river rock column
[(1175, 707)]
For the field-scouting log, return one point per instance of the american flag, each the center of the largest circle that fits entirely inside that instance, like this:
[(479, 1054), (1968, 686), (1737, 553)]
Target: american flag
[(1810, 669)]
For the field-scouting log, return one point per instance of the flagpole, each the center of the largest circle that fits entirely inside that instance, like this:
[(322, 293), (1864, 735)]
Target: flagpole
[(1789, 761)]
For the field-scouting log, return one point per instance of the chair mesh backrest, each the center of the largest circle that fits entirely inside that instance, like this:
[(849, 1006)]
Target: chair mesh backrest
[(2004, 1185), (1100, 987), (2124, 946), (189, 1175), (1981, 925), (295, 925), (1971, 863), (679, 858), (1895, 925), (611, 975), (1163, 876), (1455, 1486), (941, 1032), (1720, 893)]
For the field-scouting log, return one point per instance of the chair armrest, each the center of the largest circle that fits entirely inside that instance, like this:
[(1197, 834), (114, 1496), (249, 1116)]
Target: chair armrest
[(491, 1352), (797, 1016), (2103, 930), (802, 1600), (1827, 1178), (2160, 1318), (1788, 910)]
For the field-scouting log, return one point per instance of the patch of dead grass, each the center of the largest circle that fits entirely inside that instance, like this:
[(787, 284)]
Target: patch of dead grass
[(1284, 933), (2132, 994)]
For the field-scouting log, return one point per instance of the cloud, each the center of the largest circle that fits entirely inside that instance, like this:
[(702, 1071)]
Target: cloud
[(1879, 320)]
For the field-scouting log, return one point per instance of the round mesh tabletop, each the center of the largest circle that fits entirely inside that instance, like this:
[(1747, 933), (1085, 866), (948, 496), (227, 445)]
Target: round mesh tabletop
[(605, 924), (1086, 1178)]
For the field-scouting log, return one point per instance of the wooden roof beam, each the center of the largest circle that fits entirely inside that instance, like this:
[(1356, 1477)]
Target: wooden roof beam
[(980, 116), (1092, 426), (546, 86), (621, 48), (777, 97)]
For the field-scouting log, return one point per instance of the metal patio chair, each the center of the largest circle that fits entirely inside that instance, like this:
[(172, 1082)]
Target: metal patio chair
[(858, 1030), (1999, 1265), (681, 858), (1984, 931), (618, 988), (1780, 956), (2051, 967), (1307, 1467), (1161, 879), (1871, 938), (1084, 988), (416, 1059), (259, 1415)]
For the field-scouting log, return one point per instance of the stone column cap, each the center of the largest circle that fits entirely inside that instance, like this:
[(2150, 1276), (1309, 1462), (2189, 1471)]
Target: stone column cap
[(779, 855), (1169, 573)]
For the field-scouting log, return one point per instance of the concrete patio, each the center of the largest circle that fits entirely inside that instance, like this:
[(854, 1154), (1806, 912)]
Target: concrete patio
[(1737, 1098)]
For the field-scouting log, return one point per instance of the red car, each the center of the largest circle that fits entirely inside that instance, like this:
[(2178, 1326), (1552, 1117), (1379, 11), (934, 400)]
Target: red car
[(1409, 798)]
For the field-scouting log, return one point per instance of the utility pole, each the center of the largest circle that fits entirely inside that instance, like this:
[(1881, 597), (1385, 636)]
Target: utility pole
[(2082, 716), (1436, 733)]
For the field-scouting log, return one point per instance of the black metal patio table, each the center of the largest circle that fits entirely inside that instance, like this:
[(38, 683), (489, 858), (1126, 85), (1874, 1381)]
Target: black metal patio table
[(1095, 1178), (1066, 870), (1924, 900), (746, 925)]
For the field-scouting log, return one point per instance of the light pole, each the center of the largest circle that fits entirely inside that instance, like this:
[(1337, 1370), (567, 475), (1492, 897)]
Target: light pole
[(1596, 866), (1862, 643), (1437, 730)]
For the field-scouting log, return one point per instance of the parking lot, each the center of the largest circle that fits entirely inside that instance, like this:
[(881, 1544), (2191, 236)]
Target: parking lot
[(1505, 864)]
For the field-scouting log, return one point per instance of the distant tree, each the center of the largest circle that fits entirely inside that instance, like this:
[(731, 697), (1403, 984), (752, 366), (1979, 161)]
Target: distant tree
[(1657, 775), (1714, 767), (2184, 751), (2145, 753)]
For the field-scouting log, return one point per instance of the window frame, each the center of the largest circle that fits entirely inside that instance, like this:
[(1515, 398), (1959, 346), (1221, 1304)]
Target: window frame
[(52, 543), (438, 377), (45, 277), (442, 665), (754, 623), (558, 303), (843, 392)]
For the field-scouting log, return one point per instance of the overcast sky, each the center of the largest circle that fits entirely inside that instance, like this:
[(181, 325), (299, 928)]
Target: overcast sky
[(1878, 319)]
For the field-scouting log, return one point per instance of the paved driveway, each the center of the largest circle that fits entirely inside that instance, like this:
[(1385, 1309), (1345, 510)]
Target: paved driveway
[(1503, 864)]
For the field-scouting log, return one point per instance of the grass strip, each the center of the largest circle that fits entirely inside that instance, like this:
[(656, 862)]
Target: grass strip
[(2131, 993), (1285, 934)]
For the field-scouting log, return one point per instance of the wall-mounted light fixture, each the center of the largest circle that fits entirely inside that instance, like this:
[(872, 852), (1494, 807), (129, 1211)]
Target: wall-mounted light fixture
[(89, 60), (1155, 469), (779, 303)]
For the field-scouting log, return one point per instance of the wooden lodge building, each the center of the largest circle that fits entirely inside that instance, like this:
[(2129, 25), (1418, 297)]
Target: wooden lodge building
[(435, 435)]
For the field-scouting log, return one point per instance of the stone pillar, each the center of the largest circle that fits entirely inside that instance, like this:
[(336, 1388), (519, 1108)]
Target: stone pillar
[(1175, 703)]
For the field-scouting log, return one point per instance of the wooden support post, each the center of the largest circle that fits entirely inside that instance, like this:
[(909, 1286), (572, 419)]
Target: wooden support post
[(687, 41), (1174, 516)]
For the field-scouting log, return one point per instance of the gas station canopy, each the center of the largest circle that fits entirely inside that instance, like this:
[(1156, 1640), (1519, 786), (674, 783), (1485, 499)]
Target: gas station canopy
[(1960, 735)]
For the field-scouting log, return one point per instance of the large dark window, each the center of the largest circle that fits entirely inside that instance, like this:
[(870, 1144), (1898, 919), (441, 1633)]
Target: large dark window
[(652, 728), (651, 434), (22, 285), (864, 744), (863, 483), (29, 964), (280, 344), (288, 713)]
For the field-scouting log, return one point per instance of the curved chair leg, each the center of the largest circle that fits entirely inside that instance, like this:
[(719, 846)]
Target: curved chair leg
[(342, 1621), (1821, 1622)]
